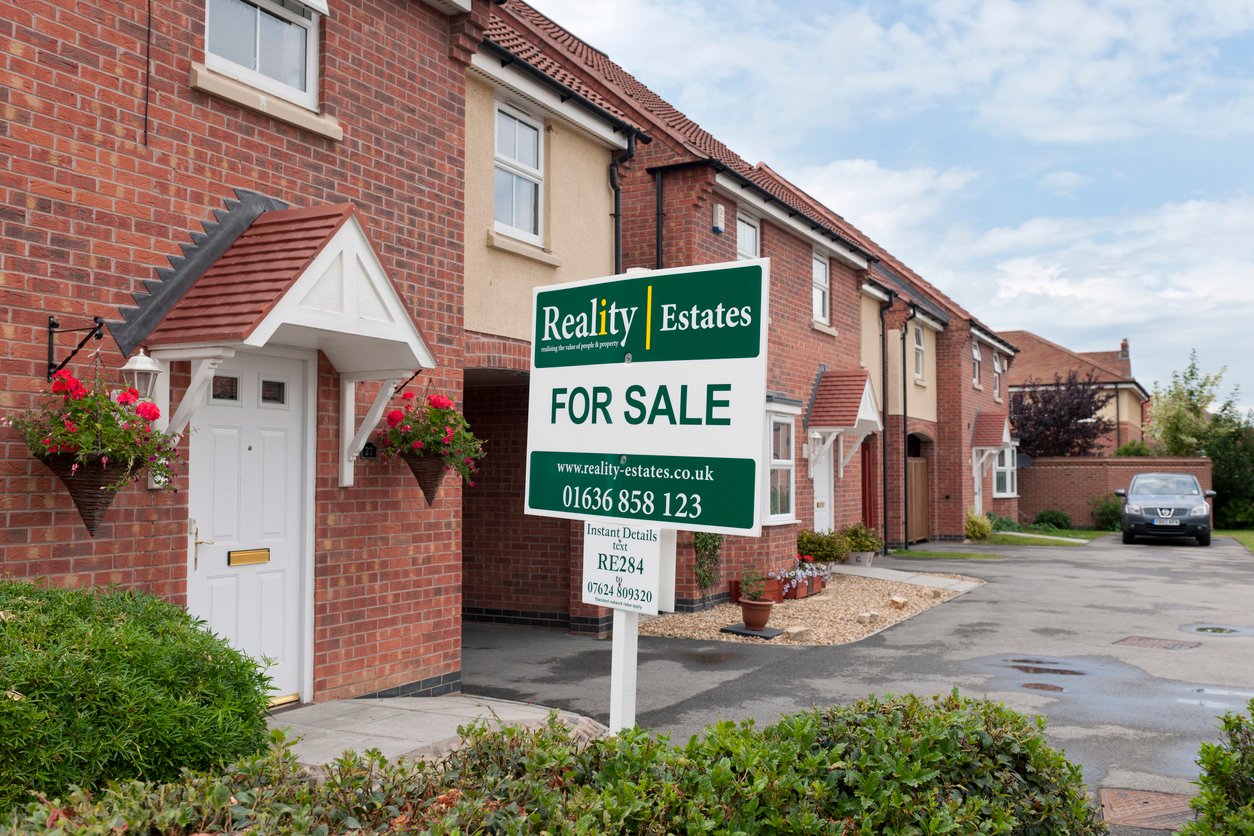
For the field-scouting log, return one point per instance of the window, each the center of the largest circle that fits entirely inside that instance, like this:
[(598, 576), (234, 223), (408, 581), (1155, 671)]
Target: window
[(975, 363), (1006, 473), (821, 291), (919, 349), (518, 175), (748, 238), (268, 44), (782, 472), (996, 375)]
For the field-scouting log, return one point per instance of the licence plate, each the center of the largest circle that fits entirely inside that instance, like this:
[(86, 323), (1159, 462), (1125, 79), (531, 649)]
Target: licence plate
[(1166, 522)]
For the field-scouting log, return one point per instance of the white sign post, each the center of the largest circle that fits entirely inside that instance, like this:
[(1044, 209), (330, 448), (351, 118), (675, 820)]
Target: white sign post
[(646, 416)]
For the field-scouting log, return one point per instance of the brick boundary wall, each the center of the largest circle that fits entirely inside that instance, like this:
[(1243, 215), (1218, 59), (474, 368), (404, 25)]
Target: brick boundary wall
[(1069, 483)]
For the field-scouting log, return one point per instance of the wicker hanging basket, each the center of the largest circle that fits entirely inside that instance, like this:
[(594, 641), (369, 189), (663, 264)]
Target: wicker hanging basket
[(91, 484), (429, 471)]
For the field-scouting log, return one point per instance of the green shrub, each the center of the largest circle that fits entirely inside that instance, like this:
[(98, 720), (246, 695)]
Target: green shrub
[(862, 538), (1234, 513), (1107, 512), (830, 547), (977, 526), (891, 765), (1001, 523), (99, 687), (707, 548), (1225, 802), (1050, 518), (1135, 447)]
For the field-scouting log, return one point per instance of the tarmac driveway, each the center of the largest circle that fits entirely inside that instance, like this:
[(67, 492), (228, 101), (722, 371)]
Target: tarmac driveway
[(1102, 639)]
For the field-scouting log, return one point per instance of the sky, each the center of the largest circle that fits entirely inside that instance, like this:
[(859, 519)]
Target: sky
[(1081, 169)]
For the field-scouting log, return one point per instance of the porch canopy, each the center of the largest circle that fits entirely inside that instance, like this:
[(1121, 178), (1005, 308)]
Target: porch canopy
[(842, 413), (989, 436), (264, 275)]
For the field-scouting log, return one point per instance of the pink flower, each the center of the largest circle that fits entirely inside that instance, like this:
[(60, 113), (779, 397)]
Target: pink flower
[(70, 426), (469, 460), (439, 402), (148, 411), (74, 468), (406, 428), (104, 461), (417, 445), (408, 396), (128, 396), (395, 417), (472, 484)]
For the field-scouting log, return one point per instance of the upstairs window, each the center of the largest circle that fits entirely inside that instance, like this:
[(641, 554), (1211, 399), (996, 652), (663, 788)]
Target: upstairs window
[(975, 363), (919, 352), (821, 293), (996, 375), (268, 44), (518, 175), (748, 238)]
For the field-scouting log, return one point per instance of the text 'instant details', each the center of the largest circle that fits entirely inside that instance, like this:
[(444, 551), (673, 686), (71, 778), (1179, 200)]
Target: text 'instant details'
[(621, 565)]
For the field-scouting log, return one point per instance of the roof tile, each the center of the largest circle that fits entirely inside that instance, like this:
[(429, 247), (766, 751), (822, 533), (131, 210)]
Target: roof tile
[(838, 397)]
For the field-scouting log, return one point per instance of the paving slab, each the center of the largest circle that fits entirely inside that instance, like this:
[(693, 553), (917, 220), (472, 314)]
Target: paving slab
[(916, 578)]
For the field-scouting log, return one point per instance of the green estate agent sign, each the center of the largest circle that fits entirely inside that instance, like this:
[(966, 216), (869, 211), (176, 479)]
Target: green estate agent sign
[(648, 397)]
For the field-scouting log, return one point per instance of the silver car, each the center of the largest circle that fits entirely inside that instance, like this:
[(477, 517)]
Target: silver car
[(1165, 505)]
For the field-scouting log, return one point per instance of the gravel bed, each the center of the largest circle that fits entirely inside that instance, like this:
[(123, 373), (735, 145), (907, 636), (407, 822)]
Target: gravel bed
[(831, 616)]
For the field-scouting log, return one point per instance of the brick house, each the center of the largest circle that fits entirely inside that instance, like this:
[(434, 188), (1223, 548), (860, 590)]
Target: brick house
[(269, 196), (1041, 362), (844, 314)]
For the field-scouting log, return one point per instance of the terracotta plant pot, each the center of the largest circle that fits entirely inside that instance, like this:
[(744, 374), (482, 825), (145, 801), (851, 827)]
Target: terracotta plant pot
[(429, 471), (755, 613), (90, 484)]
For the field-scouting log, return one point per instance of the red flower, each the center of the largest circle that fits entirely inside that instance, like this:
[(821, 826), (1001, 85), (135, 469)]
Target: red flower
[(408, 396), (395, 417), (148, 411), (417, 445), (128, 396), (439, 402)]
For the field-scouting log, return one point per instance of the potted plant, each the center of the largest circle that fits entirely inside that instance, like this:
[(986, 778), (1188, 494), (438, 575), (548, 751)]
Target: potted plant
[(95, 441), (755, 607), (864, 543), (432, 438)]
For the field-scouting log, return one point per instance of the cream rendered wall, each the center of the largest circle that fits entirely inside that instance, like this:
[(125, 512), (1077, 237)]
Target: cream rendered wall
[(870, 347), (1128, 410), (578, 228), (921, 395)]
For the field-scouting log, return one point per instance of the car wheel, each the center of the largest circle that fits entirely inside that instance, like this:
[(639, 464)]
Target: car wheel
[(1128, 538), (1203, 540)]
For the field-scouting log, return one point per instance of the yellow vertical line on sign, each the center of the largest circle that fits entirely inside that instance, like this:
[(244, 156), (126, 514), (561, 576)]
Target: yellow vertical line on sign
[(648, 318)]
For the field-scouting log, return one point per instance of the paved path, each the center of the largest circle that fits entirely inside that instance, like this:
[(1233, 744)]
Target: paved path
[(1049, 633)]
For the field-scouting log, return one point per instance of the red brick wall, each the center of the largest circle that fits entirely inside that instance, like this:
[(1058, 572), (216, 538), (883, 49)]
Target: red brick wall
[(91, 206), (1070, 484)]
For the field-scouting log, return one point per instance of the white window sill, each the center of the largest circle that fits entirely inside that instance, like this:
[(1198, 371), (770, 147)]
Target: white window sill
[(977, 387), (920, 382), (1005, 496), (232, 90), (997, 398), (781, 521), (506, 243), (819, 325)]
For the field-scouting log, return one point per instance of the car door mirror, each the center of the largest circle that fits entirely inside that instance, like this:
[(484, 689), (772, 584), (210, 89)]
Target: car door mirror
[(1120, 492), (1210, 493)]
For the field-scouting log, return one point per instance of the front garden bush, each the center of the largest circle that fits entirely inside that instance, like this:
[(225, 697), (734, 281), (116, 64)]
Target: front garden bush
[(1107, 513), (977, 526), (1225, 802), (892, 765), (1000, 523), (1050, 518), (828, 547), (97, 687)]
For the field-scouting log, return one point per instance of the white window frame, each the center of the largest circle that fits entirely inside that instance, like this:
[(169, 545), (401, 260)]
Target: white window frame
[(920, 353), (754, 224), (789, 515), (976, 362), (516, 168), (307, 98), (821, 289), (1006, 473), (996, 376)]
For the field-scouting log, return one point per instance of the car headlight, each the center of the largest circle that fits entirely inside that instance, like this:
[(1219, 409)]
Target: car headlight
[(1131, 509), (1202, 510)]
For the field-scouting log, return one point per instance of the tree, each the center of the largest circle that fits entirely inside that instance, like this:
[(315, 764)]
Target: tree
[(1060, 419), (1181, 418)]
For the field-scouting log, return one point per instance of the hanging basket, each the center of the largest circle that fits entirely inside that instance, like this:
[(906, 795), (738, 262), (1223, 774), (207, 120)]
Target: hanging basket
[(90, 485), (429, 471)]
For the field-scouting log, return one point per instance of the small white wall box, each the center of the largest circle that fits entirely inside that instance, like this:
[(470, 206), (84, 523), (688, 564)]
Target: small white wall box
[(719, 218)]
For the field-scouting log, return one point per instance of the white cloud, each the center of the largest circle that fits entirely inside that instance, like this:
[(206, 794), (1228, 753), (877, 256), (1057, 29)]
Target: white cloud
[(1062, 183)]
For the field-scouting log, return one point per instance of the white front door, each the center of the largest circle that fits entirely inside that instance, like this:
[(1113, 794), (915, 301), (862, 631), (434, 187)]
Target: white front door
[(247, 473), (822, 475)]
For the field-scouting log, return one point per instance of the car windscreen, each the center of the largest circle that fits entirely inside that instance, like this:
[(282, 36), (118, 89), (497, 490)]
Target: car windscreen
[(1164, 485)]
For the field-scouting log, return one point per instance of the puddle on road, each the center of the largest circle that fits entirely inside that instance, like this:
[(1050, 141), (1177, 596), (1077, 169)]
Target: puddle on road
[(1043, 686), (1216, 630), (1040, 670)]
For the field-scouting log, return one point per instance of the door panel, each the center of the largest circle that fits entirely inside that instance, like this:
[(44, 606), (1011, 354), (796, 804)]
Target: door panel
[(822, 471), (246, 479), (918, 516)]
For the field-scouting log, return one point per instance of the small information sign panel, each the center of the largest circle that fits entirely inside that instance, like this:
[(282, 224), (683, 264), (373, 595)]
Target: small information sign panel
[(622, 565)]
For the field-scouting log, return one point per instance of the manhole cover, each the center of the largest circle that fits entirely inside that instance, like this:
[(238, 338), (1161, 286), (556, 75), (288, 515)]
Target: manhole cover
[(1158, 644), (1150, 810)]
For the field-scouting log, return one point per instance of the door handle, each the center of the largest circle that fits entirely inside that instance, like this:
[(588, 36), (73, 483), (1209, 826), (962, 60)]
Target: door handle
[(196, 547)]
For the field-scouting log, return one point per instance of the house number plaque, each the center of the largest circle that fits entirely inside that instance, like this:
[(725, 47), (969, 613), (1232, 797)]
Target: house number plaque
[(247, 557)]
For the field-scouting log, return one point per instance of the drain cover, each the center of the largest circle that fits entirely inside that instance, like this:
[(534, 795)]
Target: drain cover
[(1158, 644), (1150, 810)]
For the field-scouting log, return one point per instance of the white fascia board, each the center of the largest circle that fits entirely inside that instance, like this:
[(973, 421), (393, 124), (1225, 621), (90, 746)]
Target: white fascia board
[(449, 7), (533, 92), (745, 197), (875, 293), (928, 322), (989, 340)]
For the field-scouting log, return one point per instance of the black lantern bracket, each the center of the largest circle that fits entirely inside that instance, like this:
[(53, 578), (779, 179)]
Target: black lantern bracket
[(96, 331)]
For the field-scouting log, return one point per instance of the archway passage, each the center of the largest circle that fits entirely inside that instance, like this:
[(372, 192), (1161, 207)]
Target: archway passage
[(919, 499)]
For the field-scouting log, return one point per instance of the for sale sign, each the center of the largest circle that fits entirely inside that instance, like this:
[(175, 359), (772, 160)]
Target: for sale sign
[(621, 565), (648, 398)]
